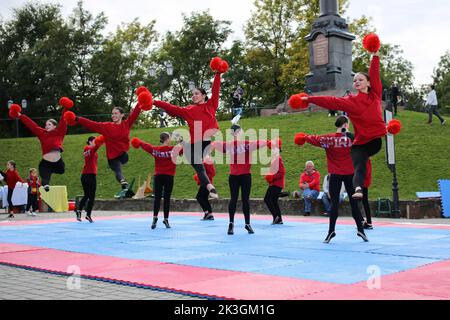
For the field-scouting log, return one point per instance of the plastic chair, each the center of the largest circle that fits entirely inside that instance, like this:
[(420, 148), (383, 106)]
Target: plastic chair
[(383, 207)]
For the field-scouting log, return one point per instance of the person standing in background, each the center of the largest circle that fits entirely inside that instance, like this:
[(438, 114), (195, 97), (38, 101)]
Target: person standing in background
[(432, 104)]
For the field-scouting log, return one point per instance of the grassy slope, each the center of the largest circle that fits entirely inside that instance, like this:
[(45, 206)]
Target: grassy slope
[(423, 157)]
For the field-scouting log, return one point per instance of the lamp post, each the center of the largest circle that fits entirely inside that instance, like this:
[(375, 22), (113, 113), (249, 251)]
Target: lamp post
[(163, 79), (390, 158)]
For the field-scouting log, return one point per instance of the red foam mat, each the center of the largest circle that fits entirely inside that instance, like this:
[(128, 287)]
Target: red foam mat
[(427, 282)]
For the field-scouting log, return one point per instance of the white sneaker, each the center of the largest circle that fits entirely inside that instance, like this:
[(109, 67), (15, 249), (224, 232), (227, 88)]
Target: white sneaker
[(30, 213), (33, 214)]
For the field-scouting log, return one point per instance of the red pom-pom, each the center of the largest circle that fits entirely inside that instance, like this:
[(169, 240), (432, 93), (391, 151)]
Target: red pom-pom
[(278, 143), (145, 99), (136, 142), (296, 101), (66, 102), (141, 90), (71, 206), (223, 67), (99, 140), (300, 139), (69, 117), (269, 178), (215, 64), (371, 42), (197, 179), (14, 111), (394, 127)]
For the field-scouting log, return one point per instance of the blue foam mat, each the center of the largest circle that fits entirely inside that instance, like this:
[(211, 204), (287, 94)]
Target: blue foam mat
[(444, 186), (294, 249)]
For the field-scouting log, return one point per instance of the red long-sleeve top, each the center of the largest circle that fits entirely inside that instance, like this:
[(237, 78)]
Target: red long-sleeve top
[(33, 184), (368, 179), (90, 159), (240, 154), (278, 171), (12, 177), (117, 136), (50, 140), (165, 158), (312, 179), (337, 147), (201, 118), (364, 110)]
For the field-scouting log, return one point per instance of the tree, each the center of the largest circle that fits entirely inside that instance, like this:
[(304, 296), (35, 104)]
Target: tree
[(441, 79)]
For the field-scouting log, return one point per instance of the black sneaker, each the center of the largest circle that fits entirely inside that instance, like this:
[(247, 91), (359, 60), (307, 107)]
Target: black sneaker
[(231, 228), (166, 223), (307, 214), (11, 215), (78, 213), (363, 236), (155, 220), (47, 188), (367, 226), (207, 217), (330, 236), (213, 194), (283, 194), (249, 229), (277, 220), (124, 184), (88, 218)]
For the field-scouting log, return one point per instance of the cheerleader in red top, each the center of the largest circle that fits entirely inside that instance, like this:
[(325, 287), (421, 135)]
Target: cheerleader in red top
[(240, 153), (364, 110), (33, 192), (365, 201), (51, 139), (201, 118), (165, 169), (89, 177), (11, 177), (340, 167), (117, 138), (276, 180), (203, 193)]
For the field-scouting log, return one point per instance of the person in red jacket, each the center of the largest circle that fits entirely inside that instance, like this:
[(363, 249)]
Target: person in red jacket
[(276, 180), (365, 201), (11, 176), (89, 177), (51, 139), (240, 153), (364, 110), (201, 118), (165, 169), (33, 192), (203, 193), (310, 184), (337, 146), (117, 138)]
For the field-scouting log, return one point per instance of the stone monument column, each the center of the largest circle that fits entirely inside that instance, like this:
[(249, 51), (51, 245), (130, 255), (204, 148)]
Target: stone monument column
[(330, 51)]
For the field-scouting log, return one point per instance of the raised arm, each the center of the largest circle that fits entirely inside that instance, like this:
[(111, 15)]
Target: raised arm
[(62, 125), (147, 147), (315, 140), (133, 115), (374, 73), (92, 125), (331, 103), (172, 110), (215, 92), (30, 124)]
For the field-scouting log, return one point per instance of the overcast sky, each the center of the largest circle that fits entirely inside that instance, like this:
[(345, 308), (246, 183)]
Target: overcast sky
[(420, 27)]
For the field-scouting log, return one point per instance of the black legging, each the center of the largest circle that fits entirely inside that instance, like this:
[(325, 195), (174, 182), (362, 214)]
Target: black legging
[(163, 184), (360, 155), (10, 204), (202, 199), (335, 189), (89, 183), (33, 202), (47, 168), (116, 166), (365, 202), (195, 153), (271, 200), (244, 182)]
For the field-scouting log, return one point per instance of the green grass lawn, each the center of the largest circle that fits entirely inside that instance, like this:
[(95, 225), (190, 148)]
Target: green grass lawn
[(423, 157)]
